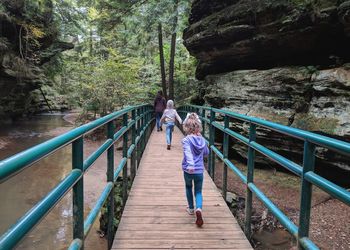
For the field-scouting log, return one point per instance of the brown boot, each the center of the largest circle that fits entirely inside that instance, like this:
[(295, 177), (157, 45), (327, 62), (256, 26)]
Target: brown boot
[(168, 147)]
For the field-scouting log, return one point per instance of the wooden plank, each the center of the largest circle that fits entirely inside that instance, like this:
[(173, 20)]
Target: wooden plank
[(147, 213), (181, 244), (206, 183), (161, 200), (176, 227), (167, 192), (195, 248), (178, 220), (155, 215), (243, 248), (218, 208), (207, 234), (152, 202), (178, 196)]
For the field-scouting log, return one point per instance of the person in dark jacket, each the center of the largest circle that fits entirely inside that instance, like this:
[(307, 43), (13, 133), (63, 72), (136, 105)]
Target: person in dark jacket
[(159, 106)]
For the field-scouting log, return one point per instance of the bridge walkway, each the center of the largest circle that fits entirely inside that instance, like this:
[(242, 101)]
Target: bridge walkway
[(155, 215)]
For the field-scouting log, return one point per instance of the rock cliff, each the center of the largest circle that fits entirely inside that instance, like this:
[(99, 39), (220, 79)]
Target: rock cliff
[(253, 59), (294, 96), (229, 35), (28, 40)]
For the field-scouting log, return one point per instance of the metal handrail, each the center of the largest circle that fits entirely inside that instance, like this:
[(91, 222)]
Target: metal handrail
[(305, 172), (139, 124)]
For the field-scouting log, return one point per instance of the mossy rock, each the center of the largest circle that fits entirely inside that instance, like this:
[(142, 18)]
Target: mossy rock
[(312, 123)]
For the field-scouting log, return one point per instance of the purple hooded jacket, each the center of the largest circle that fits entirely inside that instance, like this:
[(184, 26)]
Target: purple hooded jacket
[(195, 148)]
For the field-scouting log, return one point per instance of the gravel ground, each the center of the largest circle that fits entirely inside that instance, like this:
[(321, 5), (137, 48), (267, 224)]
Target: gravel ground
[(330, 219)]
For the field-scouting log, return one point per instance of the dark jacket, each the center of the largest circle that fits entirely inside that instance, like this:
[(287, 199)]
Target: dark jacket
[(159, 103)]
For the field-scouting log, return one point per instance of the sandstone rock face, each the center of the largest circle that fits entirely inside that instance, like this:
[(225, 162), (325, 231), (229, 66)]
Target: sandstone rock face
[(294, 96), (253, 58), (27, 41), (261, 34)]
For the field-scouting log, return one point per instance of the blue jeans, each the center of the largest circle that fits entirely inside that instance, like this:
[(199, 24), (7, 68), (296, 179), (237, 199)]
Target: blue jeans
[(158, 116), (169, 132), (198, 183)]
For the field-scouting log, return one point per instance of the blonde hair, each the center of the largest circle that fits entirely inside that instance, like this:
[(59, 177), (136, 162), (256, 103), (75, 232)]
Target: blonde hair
[(170, 104), (192, 124)]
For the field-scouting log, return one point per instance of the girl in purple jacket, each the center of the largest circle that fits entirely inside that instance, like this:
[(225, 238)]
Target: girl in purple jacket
[(194, 148)]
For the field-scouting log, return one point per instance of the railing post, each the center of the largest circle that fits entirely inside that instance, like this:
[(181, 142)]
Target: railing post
[(138, 155), (125, 154), (203, 122), (147, 120), (225, 152), (142, 127), (306, 192), (133, 141), (78, 190), (110, 178), (146, 128), (250, 178), (151, 115), (211, 143)]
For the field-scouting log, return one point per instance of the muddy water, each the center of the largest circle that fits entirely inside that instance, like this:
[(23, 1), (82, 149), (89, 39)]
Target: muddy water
[(20, 193)]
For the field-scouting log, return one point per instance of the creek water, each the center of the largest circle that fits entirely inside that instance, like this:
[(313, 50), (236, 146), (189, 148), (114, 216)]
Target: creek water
[(21, 192)]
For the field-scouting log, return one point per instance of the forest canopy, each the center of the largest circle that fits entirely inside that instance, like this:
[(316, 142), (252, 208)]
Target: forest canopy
[(112, 56), (115, 61)]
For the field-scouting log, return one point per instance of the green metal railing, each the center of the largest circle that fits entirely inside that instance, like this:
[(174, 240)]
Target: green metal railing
[(137, 119), (305, 172)]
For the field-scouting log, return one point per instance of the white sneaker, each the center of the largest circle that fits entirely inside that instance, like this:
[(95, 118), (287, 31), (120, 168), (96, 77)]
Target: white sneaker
[(190, 211)]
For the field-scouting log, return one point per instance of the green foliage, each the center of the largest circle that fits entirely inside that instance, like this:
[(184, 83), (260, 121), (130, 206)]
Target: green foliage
[(115, 60), (118, 208), (103, 85), (2, 7), (309, 70)]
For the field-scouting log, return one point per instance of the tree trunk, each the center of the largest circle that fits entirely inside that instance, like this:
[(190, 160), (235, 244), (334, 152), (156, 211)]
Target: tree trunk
[(172, 53), (91, 43), (161, 58)]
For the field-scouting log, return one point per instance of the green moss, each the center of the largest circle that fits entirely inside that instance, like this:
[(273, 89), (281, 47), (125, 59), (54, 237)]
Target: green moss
[(311, 123), (270, 116)]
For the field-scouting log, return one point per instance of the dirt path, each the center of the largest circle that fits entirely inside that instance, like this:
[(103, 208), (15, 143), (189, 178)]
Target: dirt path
[(330, 220)]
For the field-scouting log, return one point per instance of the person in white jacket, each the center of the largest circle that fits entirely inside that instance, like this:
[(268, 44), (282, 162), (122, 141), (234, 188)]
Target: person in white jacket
[(168, 118)]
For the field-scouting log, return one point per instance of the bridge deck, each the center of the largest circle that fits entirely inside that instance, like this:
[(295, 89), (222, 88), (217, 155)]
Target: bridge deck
[(155, 215)]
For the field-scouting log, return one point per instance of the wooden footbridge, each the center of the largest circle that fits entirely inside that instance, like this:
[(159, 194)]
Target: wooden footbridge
[(154, 215)]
